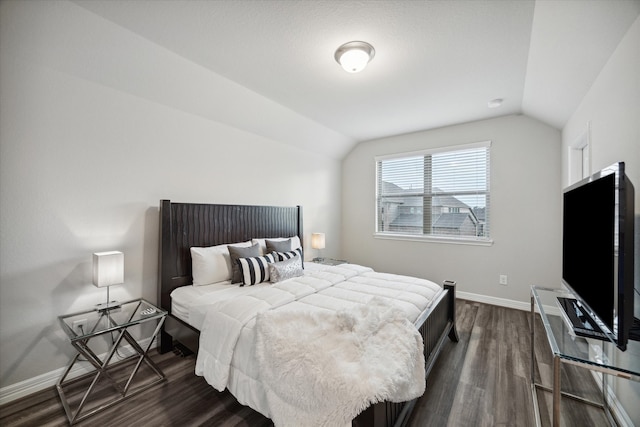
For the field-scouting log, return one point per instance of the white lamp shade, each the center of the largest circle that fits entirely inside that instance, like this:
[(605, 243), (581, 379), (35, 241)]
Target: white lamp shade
[(317, 240), (108, 268)]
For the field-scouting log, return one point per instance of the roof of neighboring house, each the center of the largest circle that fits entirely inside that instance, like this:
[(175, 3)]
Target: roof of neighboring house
[(452, 220), (445, 220), (449, 201), (390, 188), (481, 213), (410, 201), (407, 220)]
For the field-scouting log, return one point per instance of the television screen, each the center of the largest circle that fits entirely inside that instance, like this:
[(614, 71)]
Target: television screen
[(588, 250), (597, 248)]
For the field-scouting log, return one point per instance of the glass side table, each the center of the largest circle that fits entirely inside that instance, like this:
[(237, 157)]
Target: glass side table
[(114, 324), (566, 347)]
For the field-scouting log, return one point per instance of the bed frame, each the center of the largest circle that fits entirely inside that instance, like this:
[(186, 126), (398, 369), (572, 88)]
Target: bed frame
[(183, 225)]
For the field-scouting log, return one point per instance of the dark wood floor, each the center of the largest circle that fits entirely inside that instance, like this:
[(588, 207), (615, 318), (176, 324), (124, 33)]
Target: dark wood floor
[(481, 381)]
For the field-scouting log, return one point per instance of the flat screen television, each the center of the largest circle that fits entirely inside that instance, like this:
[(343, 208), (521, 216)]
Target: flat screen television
[(597, 249)]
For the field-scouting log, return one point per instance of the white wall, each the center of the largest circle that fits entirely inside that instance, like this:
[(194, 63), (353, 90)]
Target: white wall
[(612, 107), (96, 126), (525, 210)]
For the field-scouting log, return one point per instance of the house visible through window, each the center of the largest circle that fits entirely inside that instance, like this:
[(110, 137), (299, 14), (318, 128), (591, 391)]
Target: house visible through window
[(442, 193)]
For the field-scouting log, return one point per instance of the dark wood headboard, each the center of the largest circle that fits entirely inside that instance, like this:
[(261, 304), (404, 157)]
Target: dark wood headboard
[(183, 225)]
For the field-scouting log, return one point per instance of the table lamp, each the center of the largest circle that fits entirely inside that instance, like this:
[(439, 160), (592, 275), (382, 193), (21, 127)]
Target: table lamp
[(108, 270), (317, 242)]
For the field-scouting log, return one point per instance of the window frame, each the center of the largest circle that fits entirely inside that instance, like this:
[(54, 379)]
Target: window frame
[(465, 240)]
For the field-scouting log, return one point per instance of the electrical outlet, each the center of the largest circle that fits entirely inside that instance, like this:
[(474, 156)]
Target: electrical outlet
[(503, 279), (79, 326)]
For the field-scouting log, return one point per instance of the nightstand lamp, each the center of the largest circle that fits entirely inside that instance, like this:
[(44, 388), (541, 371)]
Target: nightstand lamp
[(108, 270), (317, 242)]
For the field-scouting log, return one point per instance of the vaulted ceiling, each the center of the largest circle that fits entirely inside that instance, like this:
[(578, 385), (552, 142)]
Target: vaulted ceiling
[(437, 63)]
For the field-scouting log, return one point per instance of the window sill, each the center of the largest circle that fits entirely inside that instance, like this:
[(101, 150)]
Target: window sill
[(434, 239)]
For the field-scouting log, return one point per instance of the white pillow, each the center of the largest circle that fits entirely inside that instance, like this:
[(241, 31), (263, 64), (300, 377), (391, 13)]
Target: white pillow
[(295, 242), (212, 264)]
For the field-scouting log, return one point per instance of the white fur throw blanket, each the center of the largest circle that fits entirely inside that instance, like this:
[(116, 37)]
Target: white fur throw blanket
[(342, 363)]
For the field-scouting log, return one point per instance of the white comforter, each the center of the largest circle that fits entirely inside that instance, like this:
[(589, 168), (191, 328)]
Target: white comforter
[(227, 354)]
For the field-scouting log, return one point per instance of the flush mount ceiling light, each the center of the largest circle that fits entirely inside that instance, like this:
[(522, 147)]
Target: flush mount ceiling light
[(354, 56)]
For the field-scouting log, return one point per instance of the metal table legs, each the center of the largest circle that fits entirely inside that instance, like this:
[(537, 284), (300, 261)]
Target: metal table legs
[(102, 370)]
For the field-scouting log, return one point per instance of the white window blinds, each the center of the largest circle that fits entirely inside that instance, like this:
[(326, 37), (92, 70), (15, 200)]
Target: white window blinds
[(435, 193)]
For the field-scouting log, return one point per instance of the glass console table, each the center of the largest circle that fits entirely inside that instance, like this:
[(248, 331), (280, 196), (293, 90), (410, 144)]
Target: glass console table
[(567, 348)]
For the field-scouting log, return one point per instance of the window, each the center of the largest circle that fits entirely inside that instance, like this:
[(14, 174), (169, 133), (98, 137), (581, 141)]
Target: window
[(436, 194)]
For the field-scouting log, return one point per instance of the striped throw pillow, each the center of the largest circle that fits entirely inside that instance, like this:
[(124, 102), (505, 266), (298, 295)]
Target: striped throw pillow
[(255, 269), (283, 256)]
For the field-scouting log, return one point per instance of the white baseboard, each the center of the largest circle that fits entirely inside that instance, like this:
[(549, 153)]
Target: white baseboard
[(50, 379), (503, 302)]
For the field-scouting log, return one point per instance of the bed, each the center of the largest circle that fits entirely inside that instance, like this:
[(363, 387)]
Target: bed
[(187, 225)]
